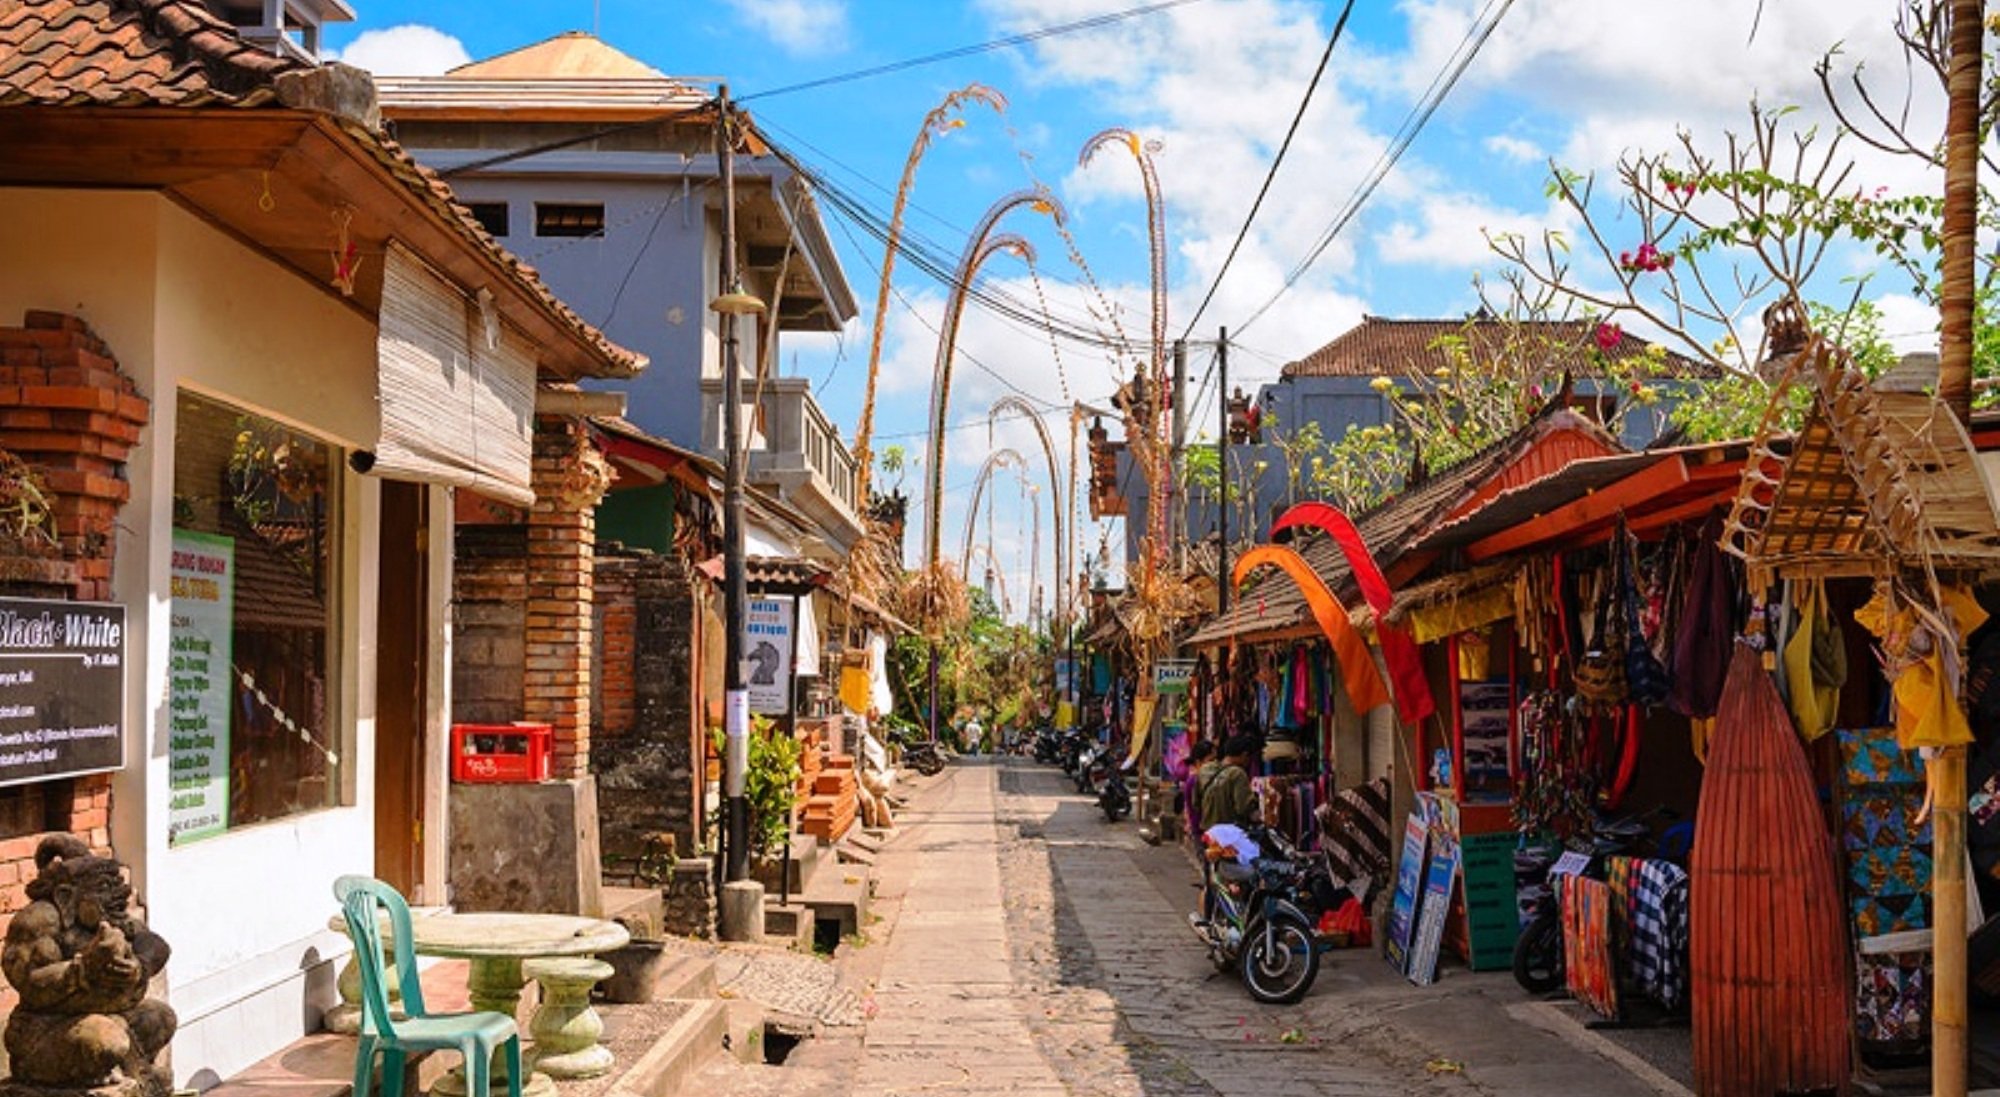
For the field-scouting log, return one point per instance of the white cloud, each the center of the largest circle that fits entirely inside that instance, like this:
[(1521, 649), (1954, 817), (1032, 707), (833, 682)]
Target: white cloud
[(803, 27), (410, 49), (1515, 148)]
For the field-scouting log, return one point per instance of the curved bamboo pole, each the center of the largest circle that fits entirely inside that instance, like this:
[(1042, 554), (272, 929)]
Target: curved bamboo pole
[(1156, 237), (940, 121), (1014, 403), (977, 250), (999, 576), (994, 461)]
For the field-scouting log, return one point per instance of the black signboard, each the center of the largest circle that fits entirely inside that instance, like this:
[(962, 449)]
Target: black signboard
[(62, 689)]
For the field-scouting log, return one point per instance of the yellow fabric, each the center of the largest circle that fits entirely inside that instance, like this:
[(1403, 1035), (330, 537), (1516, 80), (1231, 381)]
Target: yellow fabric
[(1064, 717), (1701, 729), (1142, 723), (1927, 715), (1448, 618), (1813, 706), (855, 691), (1475, 658)]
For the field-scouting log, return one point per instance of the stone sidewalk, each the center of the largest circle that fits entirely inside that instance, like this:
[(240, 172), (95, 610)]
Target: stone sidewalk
[(948, 1014)]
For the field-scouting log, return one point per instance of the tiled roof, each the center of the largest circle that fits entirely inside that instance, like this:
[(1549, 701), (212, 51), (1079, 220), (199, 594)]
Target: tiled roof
[(1389, 529), (1381, 347), (129, 53), (134, 53)]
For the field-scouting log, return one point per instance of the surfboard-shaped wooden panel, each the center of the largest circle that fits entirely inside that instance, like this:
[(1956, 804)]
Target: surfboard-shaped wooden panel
[(1767, 941)]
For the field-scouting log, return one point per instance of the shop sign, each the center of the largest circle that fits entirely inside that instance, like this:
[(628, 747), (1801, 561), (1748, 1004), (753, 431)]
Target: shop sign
[(1438, 880), (767, 655), (1409, 882), (62, 689), (200, 678), (1171, 676)]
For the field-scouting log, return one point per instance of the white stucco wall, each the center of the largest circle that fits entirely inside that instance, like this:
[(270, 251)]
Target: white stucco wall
[(183, 305)]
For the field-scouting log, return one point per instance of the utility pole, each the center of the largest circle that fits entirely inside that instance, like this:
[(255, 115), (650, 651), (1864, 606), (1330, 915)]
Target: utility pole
[(1222, 468), (731, 304), (1177, 514)]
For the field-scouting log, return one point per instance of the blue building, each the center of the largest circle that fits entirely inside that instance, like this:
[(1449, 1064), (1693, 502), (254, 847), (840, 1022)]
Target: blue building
[(600, 172)]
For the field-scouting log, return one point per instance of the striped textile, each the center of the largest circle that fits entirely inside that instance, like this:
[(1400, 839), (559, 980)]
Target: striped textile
[(1355, 825)]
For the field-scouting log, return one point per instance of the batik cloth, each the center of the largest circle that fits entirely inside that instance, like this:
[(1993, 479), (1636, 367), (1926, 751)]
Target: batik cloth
[(1589, 971), (1658, 945)]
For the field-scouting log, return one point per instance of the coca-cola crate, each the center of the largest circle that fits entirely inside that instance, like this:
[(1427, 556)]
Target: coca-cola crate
[(492, 754)]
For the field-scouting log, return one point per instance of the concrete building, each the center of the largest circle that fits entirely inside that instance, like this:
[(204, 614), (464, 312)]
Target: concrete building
[(601, 172), (248, 345)]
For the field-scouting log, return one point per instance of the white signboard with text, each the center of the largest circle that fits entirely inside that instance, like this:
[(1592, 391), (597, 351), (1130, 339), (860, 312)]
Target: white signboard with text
[(199, 636), (767, 654)]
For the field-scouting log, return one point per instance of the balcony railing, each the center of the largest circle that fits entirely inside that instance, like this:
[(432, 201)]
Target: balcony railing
[(797, 439)]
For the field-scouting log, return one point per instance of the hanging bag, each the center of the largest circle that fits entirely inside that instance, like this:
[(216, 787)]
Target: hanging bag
[(1599, 677), (1646, 679)]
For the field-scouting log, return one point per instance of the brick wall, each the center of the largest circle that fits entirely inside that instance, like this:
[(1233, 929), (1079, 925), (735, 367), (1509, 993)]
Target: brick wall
[(570, 476), (647, 779), (69, 414), (615, 605), (489, 623)]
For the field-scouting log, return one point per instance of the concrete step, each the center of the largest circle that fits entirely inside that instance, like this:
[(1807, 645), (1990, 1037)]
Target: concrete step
[(851, 852), (788, 924), (806, 861), (866, 839), (745, 1036), (842, 899), (687, 976), (694, 1040), (641, 910)]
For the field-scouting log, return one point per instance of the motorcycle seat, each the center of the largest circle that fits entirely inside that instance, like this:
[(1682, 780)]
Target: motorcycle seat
[(1235, 876)]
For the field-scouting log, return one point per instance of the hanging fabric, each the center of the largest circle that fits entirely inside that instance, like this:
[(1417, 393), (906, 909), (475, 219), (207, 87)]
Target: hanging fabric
[(1645, 678), (1813, 701), (1406, 667), (1705, 635), (1358, 676)]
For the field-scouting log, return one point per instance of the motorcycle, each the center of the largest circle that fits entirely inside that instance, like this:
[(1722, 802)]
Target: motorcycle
[(1071, 751), (1538, 952), (1090, 768), (1114, 799), (923, 756), (1253, 920), (1048, 746)]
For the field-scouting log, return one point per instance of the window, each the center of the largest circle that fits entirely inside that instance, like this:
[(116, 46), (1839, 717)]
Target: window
[(569, 218), (492, 216), (252, 735)]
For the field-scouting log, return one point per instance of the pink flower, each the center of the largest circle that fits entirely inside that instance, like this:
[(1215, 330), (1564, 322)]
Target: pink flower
[(1609, 335)]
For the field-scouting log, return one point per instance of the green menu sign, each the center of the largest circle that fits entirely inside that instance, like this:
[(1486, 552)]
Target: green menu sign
[(1492, 919)]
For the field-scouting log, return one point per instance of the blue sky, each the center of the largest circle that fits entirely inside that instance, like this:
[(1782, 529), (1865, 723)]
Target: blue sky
[(1214, 82)]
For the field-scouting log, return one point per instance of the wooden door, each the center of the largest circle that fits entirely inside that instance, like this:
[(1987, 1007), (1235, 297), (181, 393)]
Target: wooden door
[(402, 652)]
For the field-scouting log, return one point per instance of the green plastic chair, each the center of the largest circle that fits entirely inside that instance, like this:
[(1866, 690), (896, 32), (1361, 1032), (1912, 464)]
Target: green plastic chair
[(473, 1035)]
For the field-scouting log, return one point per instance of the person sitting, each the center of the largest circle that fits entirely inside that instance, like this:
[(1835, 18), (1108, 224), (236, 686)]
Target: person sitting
[(1233, 853), (1226, 795)]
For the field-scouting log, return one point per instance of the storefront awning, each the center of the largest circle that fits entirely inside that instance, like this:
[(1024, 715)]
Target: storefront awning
[(457, 388)]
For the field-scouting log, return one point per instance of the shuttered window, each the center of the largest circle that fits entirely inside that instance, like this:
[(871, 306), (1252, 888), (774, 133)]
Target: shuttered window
[(454, 409)]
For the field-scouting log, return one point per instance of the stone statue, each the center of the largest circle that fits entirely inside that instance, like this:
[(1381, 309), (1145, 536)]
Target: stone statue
[(81, 964)]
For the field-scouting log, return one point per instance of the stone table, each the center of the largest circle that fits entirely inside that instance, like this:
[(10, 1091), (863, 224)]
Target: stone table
[(496, 943)]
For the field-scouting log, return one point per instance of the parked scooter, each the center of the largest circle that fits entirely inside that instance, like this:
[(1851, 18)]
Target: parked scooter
[(1253, 923), (1074, 744), (924, 757), (1538, 952), (1113, 798), (1048, 746)]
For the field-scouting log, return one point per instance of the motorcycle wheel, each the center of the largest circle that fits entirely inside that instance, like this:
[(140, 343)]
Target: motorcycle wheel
[(930, 766), (1279, 967), (1538, 955), (1114, 810)]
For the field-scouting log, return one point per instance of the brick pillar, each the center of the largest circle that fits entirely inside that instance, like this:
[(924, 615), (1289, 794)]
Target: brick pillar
[(570, 475), (72, 417)]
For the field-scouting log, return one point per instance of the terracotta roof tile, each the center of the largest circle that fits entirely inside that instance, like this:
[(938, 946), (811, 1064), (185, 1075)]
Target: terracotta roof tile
[(128, 52), (56, 53), (1379, 347)]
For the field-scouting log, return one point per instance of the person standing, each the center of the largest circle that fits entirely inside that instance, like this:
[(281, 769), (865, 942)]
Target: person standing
[(1198, 759)]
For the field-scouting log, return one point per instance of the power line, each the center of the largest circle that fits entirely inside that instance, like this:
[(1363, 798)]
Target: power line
[(1305, 101), (1413, 124), (1092, 23)]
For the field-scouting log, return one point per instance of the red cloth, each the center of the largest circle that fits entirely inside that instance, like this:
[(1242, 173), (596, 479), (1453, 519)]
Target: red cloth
[(1406, 668)]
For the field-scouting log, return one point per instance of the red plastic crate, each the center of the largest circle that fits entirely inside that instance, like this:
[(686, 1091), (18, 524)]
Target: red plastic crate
[(492, 754)]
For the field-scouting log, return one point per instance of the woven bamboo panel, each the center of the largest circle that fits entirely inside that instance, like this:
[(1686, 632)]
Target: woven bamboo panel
[(1767, 934)]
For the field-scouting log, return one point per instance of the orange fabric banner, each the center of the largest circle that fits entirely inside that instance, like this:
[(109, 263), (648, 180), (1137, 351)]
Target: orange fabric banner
[(1358, 676)]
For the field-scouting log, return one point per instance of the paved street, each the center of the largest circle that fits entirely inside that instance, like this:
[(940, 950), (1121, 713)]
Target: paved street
[(1027, 947)]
